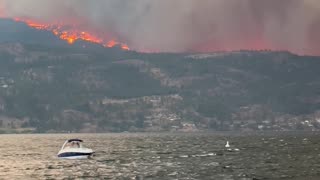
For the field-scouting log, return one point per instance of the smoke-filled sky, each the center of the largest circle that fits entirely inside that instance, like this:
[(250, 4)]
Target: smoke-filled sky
[(186, 25)]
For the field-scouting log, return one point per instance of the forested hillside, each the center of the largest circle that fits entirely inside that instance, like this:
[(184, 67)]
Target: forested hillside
[(87, 88)]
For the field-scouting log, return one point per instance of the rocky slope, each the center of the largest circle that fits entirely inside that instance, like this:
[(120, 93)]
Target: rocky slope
[(54, 88)]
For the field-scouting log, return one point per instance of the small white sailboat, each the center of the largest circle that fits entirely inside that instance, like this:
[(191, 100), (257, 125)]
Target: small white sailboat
[(73, 149), (231, 149), (227, 145)]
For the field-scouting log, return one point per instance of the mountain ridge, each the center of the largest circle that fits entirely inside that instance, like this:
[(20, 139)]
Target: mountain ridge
[(49, 89), (47, 85)]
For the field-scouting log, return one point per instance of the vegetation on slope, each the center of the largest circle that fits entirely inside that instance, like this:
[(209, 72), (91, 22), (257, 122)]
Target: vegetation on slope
[(93, 89)]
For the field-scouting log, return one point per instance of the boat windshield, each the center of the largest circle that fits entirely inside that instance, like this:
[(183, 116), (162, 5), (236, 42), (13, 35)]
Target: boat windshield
[(73, 144)]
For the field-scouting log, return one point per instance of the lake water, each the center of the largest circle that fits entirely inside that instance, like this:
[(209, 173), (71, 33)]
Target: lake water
[(164, 156)]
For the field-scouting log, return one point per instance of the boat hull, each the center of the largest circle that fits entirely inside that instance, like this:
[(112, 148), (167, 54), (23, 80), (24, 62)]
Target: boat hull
[(74, 155)]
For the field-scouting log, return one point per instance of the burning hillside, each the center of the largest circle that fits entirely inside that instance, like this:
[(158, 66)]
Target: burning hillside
[(179, 26), (71, 33)]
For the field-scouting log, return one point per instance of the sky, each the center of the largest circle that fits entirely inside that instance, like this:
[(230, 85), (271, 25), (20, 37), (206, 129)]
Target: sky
[(185, 25)]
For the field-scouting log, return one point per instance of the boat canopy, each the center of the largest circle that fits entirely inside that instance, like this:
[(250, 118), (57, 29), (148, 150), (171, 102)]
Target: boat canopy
[(73, 140)]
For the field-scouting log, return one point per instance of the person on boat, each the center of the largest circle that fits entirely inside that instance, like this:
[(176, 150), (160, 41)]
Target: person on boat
[(73, 144), (67, 146)]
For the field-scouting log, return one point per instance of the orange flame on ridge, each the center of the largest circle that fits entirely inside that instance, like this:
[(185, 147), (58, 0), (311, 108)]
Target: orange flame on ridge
[(71, 36)]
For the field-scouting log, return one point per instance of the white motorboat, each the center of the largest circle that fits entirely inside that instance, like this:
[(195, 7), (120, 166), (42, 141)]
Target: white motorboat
[(73, 149)]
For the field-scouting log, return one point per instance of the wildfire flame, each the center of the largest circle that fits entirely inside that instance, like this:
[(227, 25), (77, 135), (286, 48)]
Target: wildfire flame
[(71, 35)]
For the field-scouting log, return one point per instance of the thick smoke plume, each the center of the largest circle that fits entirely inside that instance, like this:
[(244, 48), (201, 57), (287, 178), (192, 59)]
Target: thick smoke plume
[(186, 25)]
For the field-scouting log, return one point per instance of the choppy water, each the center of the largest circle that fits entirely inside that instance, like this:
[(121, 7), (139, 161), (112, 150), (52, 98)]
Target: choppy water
[(164, 156)]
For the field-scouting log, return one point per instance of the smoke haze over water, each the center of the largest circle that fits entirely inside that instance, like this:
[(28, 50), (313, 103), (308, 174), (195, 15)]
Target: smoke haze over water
[(186, 25)]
